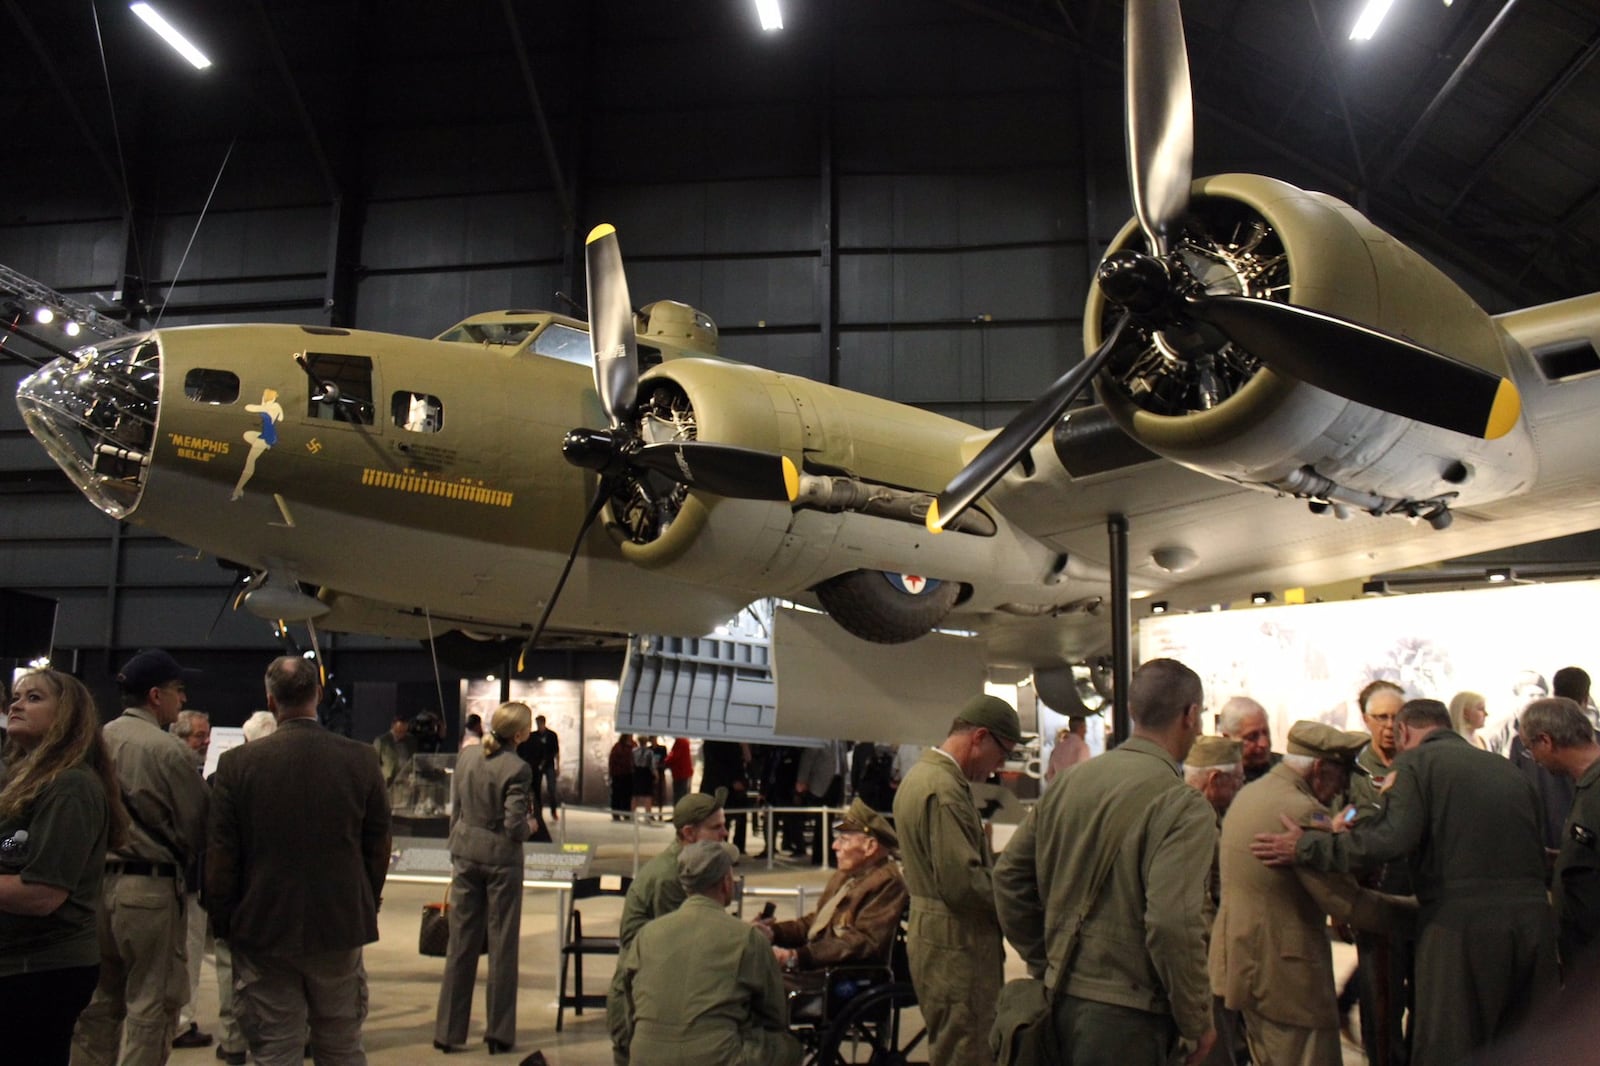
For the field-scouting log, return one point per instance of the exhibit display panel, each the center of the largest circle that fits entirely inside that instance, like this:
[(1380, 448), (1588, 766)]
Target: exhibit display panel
[(1310, 661)]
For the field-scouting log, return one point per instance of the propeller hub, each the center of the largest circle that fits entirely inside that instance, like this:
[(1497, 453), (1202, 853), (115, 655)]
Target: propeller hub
[(593, 449), (1135, 281)]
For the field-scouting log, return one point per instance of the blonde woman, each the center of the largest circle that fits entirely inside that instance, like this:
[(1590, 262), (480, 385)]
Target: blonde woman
[(490, 793), (1468, 712), (60, 809)]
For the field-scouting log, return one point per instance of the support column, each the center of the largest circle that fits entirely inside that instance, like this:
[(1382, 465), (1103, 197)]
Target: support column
[(1121, 628)]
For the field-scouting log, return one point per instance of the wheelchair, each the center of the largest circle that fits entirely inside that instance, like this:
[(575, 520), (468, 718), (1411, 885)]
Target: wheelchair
[(856, 1014)]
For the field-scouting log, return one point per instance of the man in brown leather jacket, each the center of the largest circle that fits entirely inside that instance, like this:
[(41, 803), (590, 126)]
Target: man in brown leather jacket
[(861, 906)]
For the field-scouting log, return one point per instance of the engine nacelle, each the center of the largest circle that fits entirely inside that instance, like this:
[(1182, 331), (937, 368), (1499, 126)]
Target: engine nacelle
[(1227, 415)]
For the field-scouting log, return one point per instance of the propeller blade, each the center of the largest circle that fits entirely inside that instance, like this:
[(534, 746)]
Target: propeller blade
[(989, 465), (722, 469), (1160, 117), (1365, 365), (611, 336), (601, 492)]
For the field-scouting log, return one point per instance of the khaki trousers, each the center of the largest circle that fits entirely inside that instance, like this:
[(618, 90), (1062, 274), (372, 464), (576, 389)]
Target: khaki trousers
[(1275, 1044), (143, 978), (957, 968), (278, 997)]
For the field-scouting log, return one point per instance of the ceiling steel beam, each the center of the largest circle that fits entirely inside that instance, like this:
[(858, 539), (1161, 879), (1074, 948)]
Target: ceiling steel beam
[(520, 48), (281, 61), (1551, 91), (118, 183), (1414, 134)]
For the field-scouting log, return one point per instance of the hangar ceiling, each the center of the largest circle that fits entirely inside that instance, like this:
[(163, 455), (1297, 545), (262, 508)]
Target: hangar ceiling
[(1473, 128)]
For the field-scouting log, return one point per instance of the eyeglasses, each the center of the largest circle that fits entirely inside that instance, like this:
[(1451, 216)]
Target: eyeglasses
[(1006, 748)]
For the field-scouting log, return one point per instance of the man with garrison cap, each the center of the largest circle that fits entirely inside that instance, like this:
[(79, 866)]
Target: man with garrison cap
[(1468, 822), (698, 985), (953, 937), (861, 905), (1102, 890), (656, 891), (1214, 767), (1270, 957)]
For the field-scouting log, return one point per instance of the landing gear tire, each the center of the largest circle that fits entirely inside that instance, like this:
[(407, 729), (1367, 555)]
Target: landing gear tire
[(868, 604)]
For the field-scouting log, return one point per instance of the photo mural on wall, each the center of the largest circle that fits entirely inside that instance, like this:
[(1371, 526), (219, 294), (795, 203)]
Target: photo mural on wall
[(1311, 660)]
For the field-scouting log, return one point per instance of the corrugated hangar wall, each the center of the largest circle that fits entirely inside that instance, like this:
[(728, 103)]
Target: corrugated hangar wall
[(900, 197)]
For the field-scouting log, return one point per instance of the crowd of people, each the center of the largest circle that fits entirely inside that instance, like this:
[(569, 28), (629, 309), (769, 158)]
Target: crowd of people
[(1170, 899)]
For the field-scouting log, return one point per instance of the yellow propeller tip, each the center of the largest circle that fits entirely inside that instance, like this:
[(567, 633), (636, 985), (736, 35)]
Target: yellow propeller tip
[(1507, 408), (935, 523), (604, 229), (791, 479)]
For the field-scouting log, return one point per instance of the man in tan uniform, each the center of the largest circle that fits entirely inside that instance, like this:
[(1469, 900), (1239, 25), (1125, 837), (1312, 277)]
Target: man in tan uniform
[(698, 985), (1270, 957), (143, 976), (953, 938), (1468, 822), (1103, 889)]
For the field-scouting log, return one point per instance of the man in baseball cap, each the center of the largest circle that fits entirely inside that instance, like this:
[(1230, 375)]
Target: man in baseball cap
[(698, 985), (143, 976), (953, 936), (656, 890)]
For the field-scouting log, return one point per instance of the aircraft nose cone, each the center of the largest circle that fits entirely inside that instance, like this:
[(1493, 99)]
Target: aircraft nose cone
[(95, 413)]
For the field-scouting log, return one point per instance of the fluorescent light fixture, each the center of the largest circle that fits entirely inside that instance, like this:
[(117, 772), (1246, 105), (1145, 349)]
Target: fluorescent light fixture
[(1367, 22), (771, 17), (1500, 573), (177, 40)]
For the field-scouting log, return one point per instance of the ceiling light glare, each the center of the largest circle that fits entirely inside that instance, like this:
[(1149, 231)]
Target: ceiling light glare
[(178, 41), (771, 17), (44, 316), (1371, 16), (71, 329)]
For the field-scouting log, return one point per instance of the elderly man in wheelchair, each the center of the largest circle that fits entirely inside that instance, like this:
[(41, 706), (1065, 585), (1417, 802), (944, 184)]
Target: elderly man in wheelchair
[(849, 939)]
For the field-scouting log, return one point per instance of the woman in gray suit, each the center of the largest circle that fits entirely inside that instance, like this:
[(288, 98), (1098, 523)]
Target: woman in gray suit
[(488, 823)]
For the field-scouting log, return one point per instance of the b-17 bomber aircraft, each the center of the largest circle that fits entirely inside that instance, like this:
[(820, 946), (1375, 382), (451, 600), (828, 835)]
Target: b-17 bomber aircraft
[(1287, 395)]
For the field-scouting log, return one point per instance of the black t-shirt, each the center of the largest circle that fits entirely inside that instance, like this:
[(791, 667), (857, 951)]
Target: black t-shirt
[(64, 847)]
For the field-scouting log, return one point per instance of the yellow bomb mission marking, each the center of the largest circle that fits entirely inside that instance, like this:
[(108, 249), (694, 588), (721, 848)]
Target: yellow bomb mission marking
[(427, 486), (197, 449)]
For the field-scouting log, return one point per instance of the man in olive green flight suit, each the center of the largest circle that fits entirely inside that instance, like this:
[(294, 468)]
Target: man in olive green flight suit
[(953, 938), (1469, 822), (1561, 739), (698, 985), (1103, 890), (656, 891)]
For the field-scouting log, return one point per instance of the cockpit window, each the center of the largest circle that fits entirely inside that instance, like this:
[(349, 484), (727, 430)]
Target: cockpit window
[(500, 334), (344, 388), (417, 412), (203, 385), (564, 342)]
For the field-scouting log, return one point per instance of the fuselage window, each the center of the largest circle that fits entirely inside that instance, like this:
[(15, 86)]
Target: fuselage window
[(345, 388), (203, 385), (417, 412)]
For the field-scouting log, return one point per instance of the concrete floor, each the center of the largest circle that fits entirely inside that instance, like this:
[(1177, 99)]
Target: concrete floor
[(404, 986)]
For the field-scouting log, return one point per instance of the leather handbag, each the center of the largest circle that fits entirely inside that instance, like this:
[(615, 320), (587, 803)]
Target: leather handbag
[(434, 937)]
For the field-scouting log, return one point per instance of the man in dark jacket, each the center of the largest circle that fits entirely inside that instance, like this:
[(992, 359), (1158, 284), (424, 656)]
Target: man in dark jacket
[(297, 853)]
